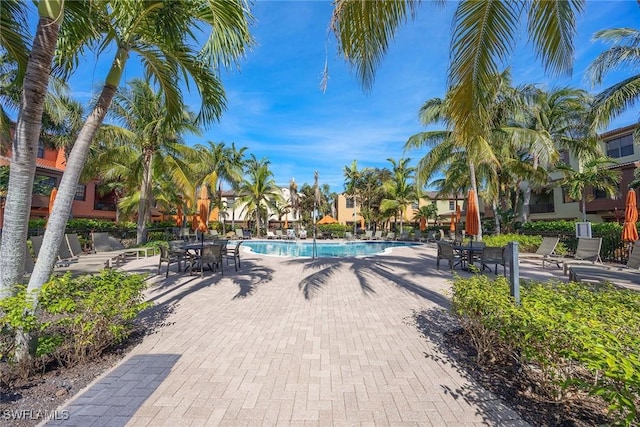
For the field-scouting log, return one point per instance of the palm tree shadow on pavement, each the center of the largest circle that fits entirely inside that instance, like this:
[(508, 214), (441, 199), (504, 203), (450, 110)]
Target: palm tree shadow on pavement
[(364, 269), (249, 281)]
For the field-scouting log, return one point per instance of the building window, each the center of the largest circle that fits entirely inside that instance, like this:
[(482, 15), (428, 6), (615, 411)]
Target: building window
[(44, 181), (40, 150), (620, 147), (81, 190), (350, 203), (452, 205), (565, 196)]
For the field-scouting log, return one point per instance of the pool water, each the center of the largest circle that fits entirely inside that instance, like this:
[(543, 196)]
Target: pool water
[(324, 249)]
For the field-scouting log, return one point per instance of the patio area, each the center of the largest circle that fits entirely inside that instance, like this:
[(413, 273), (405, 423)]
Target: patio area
[(289, 341)]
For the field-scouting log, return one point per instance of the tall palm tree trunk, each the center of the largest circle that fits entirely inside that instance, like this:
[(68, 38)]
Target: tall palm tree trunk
[(75, 162), (25, 147), (145, 199), (496, 217), (66, 192)]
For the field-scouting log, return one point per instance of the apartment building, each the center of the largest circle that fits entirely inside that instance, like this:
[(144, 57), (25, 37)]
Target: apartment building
[(88, 203), (556, 204)]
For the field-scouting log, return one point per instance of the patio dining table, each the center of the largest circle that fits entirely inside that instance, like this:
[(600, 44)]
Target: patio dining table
[(468, 253)]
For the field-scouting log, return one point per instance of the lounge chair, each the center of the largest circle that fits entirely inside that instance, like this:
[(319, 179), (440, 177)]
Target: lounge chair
[(368, 235), (109, 259), (587, 251), (104, 243), (348, 235), (28, 262), (377, 235), (446, 252), (390, 236), (279, 234), (545, 251), (270, 235), (239, 233), (621, 274)]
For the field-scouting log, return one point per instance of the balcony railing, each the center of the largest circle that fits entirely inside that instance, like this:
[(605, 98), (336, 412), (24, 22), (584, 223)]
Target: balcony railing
[(104, 206), (541, 208)]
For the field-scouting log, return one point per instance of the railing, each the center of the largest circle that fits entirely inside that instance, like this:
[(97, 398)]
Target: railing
[(541, 208)]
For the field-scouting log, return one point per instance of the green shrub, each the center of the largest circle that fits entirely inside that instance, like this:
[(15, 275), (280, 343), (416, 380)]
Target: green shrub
[(568, 335), (334, 229), (83, 316)]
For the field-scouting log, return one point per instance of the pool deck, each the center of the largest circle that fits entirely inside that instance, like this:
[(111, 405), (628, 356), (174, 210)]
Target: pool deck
[(300, 342)]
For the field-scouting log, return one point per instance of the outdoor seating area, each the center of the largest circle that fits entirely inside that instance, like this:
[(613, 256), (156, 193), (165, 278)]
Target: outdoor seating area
[(198, 256)]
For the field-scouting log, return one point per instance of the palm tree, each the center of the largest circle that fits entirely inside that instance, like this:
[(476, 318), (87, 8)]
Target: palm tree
[(595, 173), (216, 163), (258, 190), (352, 179), (426, 212), (167, 57), (625, 51), (484, 35), (157, 138), (400, 192)]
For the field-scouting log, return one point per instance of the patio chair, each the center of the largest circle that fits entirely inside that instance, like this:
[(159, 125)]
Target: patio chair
[(234, 253), (239, 234), (270, 235), (279, 234), (390, 236), (348, 235), (377, 235), (368, 235), (587, 251), (545, 251), (211, 256), (446, 252), (170, 256), (494, 255)]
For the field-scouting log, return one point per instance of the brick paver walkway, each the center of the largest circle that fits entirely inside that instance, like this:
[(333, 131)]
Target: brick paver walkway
[(294, 342)]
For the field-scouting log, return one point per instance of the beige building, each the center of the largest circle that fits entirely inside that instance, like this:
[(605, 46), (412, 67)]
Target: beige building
[(446, 206)]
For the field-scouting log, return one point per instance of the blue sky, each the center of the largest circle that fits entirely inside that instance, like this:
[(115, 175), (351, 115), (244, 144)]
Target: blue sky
[(276, 109)]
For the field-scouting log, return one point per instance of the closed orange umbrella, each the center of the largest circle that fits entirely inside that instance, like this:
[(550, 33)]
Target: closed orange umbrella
[(362, 223), (52, 198), (452, 226), (423, 224), (203, 209), (472, 227), (286, 222), (179, 216), (630, 231), (458, 213)]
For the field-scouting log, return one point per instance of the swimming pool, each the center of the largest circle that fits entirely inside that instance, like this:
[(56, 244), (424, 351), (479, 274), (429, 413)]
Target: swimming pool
[(324, 249)]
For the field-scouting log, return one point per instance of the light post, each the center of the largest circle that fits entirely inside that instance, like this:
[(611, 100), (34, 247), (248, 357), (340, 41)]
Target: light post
[(224, 214), (230, 203)]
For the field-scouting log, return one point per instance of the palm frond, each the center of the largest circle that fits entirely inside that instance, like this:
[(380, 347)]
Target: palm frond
[(552, 27), (365, 29)]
